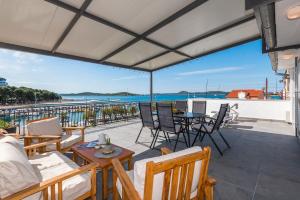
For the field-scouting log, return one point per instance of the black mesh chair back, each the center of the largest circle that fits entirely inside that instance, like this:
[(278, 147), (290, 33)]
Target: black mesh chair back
[(181, 106), (165, 117), (221, 115), (199, 107), (146, 114)]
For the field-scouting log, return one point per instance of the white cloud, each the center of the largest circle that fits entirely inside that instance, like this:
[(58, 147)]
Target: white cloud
[(24, 58), (4, 51), (20, 62), (210, 71), (22, 82), (129, 78)]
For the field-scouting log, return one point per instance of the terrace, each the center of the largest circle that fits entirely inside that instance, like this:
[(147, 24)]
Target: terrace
[(263, 162)]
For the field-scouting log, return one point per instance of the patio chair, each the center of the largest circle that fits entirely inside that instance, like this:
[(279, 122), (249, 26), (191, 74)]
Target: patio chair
[(181, 106), (212, 126), (51, 175), (147, 119), (179, 175), (199, 107), (167, 123), (49, 128)]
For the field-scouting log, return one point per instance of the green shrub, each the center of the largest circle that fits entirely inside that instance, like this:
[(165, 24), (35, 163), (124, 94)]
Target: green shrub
[(133, 110), (106, 112), (5, 125)]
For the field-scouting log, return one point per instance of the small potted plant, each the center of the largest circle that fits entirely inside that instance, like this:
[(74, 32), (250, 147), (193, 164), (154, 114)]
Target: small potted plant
[(10, 127), (90, 116), (107, 147), (133, 110), (106, 112), (64, 118)]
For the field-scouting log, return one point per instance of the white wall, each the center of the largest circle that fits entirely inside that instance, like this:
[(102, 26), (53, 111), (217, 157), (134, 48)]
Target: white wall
[(258, 109)]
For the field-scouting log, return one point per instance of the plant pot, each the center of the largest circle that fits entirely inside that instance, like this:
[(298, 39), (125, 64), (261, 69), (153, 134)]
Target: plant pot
[(11, 129), (107, 147)]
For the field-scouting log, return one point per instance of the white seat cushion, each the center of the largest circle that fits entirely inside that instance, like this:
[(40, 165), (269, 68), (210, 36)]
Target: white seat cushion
[(66, 141), (119, 186), (49, 126), (16, 173), (48, 159), (73, 187), (140, 170), (13, 141), (131, 176)]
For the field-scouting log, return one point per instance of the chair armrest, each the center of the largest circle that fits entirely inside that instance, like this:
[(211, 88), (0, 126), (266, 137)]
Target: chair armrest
[(32, 149), (69, 130), (209, 188), (210, 118), (165, 151), (128, 188), (42, 137), (43, 186), (210, 181), (42, 144), (74, 128), (15, 135)]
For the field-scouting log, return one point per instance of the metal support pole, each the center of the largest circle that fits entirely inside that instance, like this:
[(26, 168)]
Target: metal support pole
[(151, 87), (296, 97)]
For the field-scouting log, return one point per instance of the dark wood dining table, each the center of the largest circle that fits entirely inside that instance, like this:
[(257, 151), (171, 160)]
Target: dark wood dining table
[(187, 118)]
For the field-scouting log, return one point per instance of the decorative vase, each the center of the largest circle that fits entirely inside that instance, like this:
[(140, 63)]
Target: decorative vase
[(101, 138)]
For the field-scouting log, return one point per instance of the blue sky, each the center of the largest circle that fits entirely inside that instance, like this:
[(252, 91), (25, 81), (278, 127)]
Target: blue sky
[(239, 67)]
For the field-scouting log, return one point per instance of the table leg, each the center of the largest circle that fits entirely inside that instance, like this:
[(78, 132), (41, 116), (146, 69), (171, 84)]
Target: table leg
[(188, 132), (104, 183), (130, 163), (75, 157)]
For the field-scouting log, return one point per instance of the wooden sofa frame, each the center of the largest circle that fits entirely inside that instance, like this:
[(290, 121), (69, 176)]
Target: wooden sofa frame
[(171, 169), (43, 138), (58, 180)]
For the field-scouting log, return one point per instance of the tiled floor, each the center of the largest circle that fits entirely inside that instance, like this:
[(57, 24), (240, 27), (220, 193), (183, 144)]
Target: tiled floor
[(263, 162)]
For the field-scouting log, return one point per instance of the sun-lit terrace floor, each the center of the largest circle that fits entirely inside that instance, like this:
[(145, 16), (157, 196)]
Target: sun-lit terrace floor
[(263, 162)]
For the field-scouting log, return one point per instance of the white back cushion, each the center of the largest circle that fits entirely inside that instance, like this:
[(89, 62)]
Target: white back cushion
[(140, 171), (16, 173), (13, 141), (49, 126)]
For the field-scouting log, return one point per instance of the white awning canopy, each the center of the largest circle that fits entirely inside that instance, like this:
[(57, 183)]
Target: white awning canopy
[(143, 35)]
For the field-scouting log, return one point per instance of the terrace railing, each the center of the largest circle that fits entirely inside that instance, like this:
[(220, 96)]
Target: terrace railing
[(15, 119)]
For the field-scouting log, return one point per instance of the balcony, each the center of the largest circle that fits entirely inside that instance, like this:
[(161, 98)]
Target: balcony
[(263, 162)]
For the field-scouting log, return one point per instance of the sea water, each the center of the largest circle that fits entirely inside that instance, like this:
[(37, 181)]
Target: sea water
[(142, 98)]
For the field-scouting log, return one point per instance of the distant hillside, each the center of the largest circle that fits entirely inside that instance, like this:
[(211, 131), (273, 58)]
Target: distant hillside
[(132, 94), (99, 94), (196, 93)]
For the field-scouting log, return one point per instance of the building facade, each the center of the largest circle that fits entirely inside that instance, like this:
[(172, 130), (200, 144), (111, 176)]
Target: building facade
[(3, 82)]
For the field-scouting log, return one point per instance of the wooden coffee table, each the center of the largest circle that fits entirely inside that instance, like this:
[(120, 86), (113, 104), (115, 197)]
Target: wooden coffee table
[(104, 164)]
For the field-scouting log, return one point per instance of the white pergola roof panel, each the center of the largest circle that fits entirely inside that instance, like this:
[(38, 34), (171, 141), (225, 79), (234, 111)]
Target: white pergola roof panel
[(32, 23), (135, 53), (162, 61), (212, 14), (225, 38), (136, 34), (287, 31), (286, 59), (136, 15), (75, 3), (92, 40)]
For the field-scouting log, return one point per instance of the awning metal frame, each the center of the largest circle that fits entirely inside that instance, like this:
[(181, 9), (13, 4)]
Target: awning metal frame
[(137, 37), (266, 49)]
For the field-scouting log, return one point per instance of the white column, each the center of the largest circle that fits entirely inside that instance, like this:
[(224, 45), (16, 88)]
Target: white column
[(151, 87)]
